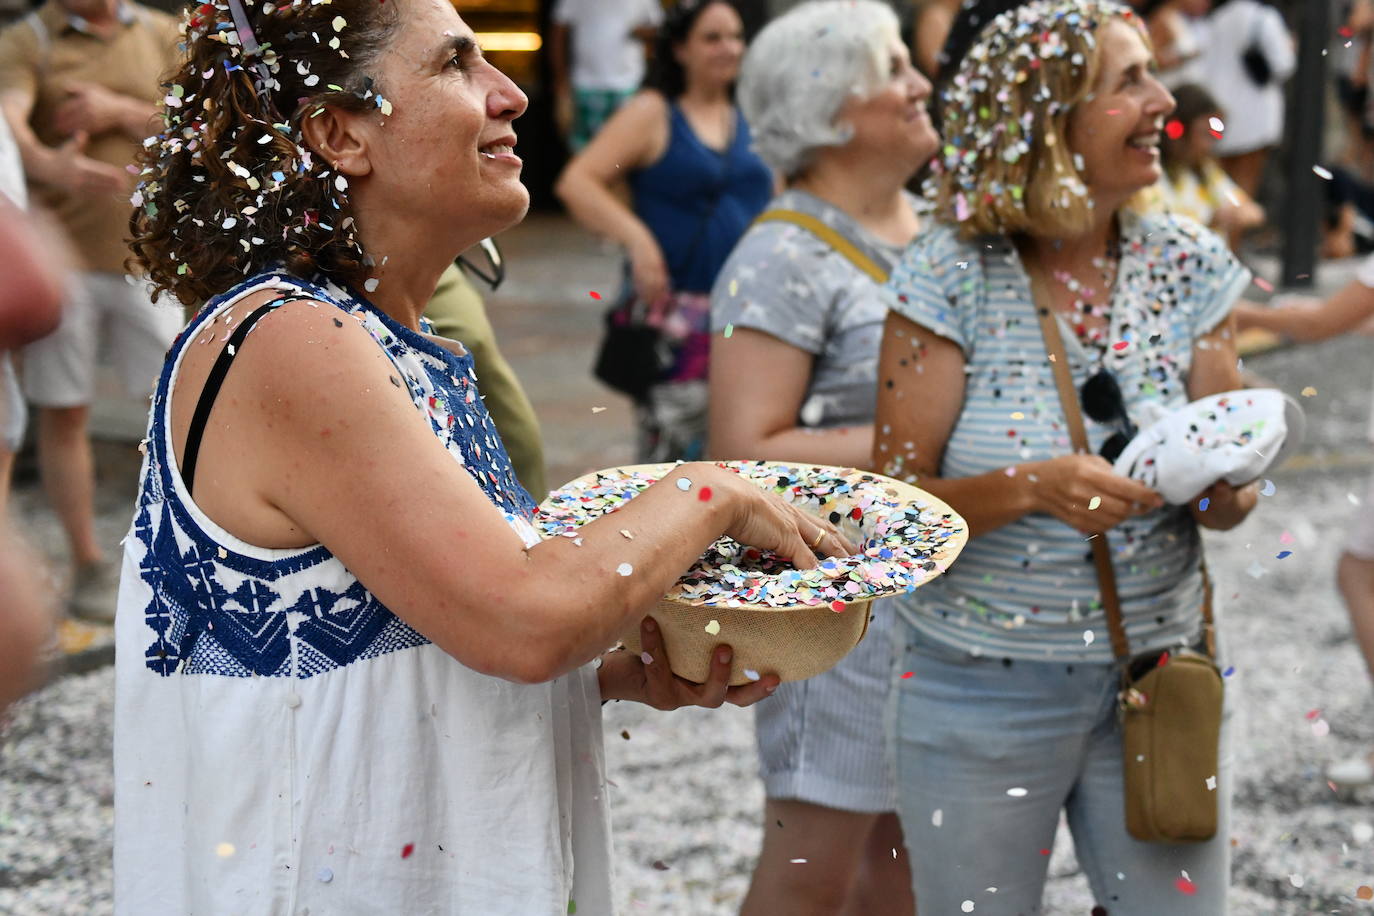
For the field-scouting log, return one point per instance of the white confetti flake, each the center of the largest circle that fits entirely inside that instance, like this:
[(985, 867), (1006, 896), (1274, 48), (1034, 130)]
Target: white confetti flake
[(646, 658), (966, 906), (1211, 783), (751, 674), (1018, 792), (713, 627), (624, 569), (1088, 637), (797, 861), (684, 484), (1094, 503), (937, 817), (371, 284), (1362, 832)]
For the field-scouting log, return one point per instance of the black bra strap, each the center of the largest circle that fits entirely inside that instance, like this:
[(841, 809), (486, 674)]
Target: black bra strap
[(212, 385)]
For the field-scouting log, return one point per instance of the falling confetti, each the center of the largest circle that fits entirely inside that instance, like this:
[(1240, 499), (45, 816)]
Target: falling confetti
[(1185, 886), (406, 850), (1018, 792), (594, 294), (1309, 392), (937, 817), (224, 850), (966, 906), (1364, 892)]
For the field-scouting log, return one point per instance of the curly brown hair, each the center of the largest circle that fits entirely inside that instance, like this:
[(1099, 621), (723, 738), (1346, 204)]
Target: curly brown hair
[(229, 188)]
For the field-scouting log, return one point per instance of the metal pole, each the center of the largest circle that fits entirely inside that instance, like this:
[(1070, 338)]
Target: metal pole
[(1303, 205)]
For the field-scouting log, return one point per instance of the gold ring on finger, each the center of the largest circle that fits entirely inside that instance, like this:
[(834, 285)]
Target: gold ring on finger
[(820, 536)]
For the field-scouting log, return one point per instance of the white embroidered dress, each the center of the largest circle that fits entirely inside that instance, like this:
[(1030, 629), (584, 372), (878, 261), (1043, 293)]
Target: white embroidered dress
[(284, 744)]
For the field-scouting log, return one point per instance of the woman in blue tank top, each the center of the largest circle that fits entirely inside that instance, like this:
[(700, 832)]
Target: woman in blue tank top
[(682, 150)]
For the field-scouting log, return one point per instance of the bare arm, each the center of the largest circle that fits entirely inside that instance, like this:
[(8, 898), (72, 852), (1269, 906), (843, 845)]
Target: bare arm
[(634, 137), (757, 386), (65, 166), (932, 28), (312, 425), (918, 411), (1313, 319)]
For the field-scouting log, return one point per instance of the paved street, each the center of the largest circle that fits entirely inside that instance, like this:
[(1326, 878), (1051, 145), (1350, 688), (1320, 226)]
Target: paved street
[(685, 796)]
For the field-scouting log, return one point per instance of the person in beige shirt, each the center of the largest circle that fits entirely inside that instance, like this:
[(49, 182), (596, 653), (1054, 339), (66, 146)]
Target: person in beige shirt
[(78, 83)]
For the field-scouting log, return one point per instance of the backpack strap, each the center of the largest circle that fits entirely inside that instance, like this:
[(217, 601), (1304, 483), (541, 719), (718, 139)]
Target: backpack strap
[(830, 236)]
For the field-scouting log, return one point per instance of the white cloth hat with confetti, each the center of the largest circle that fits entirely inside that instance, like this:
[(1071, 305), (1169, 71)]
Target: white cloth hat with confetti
[(1233, 436)]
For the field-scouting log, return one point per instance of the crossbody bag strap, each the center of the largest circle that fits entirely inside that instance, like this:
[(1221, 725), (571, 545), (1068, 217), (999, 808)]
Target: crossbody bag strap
[(830, 236), (1078, 435)]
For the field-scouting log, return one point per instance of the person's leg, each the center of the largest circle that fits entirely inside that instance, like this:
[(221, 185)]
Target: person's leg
[(1355, 578), (986, 754), (58, 374), (810, 857), (883, 882), (1134, 878), (67, 468), (823, 756), (13, 418)]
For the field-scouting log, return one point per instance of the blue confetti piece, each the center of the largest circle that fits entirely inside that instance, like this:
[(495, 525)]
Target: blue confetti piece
[(1228, 672), (1203, 503), (1285, 553)]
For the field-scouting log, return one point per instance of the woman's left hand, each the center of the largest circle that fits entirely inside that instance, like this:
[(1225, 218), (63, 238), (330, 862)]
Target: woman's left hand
[(625, 676), (1227, 506)]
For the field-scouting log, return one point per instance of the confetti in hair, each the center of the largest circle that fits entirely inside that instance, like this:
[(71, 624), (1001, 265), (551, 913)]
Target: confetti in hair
[(1005, 164)]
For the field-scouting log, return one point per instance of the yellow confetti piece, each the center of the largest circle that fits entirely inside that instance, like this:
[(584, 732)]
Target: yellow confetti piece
[(225, 850), (713, 627), (1309, 392), (1017, 415), (625, 533), (386, 107), (1094, 503), (597, 409), (338, 23)]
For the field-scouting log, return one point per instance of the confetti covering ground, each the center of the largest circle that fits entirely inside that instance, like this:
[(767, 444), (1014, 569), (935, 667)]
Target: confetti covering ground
[(685, 795)]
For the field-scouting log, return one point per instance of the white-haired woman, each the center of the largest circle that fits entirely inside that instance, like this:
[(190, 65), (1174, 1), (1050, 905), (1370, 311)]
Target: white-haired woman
[(837, 108), (1009, 715)]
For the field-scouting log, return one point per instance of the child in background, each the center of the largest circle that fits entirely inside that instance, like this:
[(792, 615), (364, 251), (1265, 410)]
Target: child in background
[(1194, 184), (1309, 319)]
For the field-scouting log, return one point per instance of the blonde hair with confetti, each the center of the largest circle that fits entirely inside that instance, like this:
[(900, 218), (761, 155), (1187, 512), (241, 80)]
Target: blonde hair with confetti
[(229, 187), (1005, 167)]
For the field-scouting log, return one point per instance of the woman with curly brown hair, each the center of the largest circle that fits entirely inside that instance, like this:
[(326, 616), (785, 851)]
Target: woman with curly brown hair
[(351, 679)]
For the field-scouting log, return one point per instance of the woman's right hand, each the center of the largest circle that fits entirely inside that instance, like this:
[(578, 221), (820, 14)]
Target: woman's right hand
[(650, 272), (764, 520), (1066, 486)]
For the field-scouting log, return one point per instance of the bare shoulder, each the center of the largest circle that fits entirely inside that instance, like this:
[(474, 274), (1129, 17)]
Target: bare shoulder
[(636, 135)]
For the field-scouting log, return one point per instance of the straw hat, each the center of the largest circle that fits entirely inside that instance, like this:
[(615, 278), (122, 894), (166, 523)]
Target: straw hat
[(777, 619)]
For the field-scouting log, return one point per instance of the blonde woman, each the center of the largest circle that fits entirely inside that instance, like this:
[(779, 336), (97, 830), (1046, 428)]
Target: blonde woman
[(1007, 717), (793, 373)]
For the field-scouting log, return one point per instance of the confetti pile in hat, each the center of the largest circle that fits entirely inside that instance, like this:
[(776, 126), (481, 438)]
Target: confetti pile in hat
[(906, 542)]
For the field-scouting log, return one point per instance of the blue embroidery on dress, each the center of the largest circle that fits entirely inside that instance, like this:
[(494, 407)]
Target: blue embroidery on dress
[(214, 611)]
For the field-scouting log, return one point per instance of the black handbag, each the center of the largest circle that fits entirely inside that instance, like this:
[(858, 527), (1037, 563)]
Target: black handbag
[(633, 354), (1253, 59)]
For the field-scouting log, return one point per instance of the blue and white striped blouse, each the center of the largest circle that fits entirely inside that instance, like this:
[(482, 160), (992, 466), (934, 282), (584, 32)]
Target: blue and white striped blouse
[(1029, 589)]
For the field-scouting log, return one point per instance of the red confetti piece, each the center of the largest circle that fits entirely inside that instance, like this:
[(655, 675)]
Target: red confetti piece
[(1185, 886), (704, 494), (594, 294), (1044, 852), (1163, 659), (1174, 129), (1264, 284), (908, 674), (406, 850), (837, 606), (1313, 714), (1120, 345)]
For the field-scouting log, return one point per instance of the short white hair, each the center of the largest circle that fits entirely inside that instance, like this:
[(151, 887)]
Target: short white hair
[(802, 68)]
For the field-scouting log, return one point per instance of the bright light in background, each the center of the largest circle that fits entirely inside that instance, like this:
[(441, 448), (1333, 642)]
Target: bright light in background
[(509, 41)]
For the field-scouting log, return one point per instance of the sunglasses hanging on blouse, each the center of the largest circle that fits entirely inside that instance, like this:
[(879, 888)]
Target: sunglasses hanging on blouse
[(1102, 401)]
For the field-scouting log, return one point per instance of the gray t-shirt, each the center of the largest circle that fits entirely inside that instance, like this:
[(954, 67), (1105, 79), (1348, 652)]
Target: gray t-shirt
[(785, 281)]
